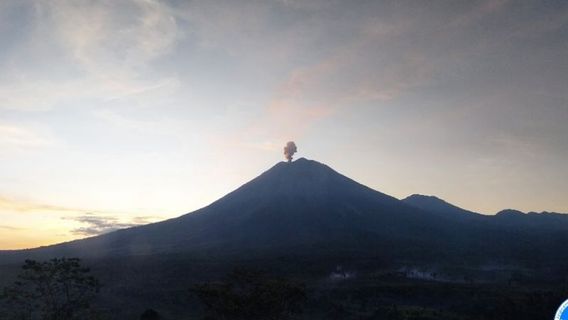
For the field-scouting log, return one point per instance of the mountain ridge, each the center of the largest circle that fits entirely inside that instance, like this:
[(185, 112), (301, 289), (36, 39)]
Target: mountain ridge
[(433, 203), (299, 204), (306, 208)]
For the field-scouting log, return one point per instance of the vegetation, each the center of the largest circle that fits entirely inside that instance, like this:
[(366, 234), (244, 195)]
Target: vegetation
[(150, 314), (58, 289), (370, 292), (252, 295)]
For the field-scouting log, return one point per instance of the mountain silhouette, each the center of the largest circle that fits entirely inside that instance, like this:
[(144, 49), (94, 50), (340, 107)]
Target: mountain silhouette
[(509, 217), (306, 208), (541, 221), (435, 204), (302, 206)]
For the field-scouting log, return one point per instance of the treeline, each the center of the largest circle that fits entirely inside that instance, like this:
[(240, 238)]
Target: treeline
[(63, 289)]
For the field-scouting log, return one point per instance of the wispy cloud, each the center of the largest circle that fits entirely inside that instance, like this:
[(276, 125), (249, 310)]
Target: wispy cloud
[(101, 49), (18, 136), (10, 228), (68, 222), (97, 224), (8, 204), (161, 125), (480, 10), (350, 73), (16, 205), (103, 35)]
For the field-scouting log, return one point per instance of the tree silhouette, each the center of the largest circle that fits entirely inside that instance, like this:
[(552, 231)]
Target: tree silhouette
[(58, 289), (251, 295), (150, 314)]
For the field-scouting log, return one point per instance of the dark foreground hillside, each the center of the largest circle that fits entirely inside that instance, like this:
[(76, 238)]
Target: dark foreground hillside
[(336, 288)]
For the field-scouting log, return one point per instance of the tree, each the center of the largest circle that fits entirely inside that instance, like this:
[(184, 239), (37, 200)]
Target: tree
[(150, 314), (251, 295), (58, 289)]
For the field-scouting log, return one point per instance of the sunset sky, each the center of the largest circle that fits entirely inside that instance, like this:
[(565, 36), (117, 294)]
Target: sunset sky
[(116, 113)]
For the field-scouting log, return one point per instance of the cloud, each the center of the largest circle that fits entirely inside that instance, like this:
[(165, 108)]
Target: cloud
[(364, 67), (479, 11), (158, 125), (96, 225), (18, 136), (15, 205), (104, 35), (384, 59), (10, 228), (92, 223), (8, 204), (86, 50)]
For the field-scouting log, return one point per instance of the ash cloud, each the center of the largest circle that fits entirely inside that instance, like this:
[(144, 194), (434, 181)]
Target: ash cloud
[(96, 225), (289, 150)]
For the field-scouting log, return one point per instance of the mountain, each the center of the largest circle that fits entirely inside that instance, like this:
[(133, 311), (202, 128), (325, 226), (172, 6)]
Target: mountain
[(305, 208), (543, 221), (435, 204)]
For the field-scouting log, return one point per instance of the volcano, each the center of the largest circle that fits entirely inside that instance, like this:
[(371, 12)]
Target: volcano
[(306, 208)]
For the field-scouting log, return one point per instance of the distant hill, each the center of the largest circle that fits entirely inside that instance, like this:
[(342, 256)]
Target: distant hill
[(435, 204), (544, 221), (305, 208)]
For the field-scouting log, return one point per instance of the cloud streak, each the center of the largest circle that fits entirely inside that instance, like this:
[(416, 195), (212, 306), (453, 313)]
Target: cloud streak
[(96, 224), (10, 228), (20, 206), (9, 204)]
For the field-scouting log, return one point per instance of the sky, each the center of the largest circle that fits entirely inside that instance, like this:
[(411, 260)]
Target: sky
[(118, 113)]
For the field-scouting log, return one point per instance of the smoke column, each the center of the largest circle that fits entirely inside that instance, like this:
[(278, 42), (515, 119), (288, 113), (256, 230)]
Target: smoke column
[(289, 150)]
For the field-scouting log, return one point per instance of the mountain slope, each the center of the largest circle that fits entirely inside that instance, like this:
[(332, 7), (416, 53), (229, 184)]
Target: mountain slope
[(307, 208), (293, 207)]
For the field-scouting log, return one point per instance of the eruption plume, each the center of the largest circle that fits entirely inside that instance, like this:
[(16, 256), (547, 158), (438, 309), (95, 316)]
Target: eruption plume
[(289, 150)]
